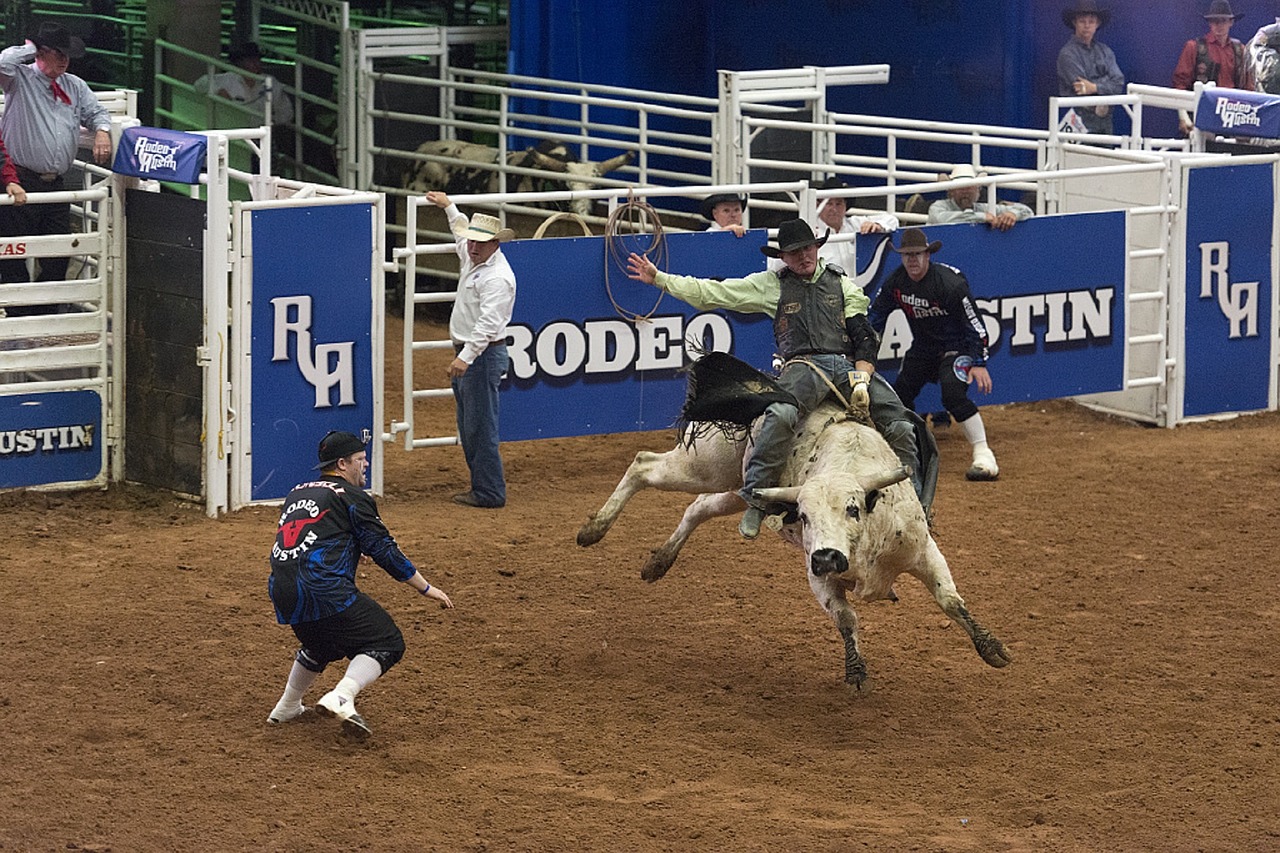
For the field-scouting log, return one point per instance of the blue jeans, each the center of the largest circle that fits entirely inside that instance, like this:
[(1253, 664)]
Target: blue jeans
[(476, 396)]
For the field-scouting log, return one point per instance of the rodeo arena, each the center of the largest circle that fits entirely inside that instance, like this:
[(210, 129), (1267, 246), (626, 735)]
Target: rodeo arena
[(1081, 665)]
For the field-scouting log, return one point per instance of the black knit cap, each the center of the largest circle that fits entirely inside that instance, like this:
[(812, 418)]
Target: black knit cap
[(337, 445)]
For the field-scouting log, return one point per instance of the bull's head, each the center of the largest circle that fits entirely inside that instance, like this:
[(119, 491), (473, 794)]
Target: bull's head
[(833, 510), (578, 175)]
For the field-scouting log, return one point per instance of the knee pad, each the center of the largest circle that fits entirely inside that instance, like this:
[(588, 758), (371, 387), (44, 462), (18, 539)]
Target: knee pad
[(386, 658), (310, 661)]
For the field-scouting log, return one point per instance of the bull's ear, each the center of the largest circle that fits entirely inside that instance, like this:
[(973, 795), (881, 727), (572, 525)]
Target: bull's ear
[(873, 497)]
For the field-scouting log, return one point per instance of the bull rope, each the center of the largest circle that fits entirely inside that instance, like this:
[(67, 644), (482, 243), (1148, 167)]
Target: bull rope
[(856, 406), (637, 216)]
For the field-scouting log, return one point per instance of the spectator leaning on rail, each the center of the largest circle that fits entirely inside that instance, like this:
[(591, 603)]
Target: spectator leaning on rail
[(1087, 66), (1214, 58), (724, 210), (249, 88), (478, 327), (962, 205), (833, 213), (44, 109), (325, 527), (948, 340), (819, 315)]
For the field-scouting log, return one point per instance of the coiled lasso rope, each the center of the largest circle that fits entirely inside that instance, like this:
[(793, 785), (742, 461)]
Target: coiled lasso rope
[(639, 217)]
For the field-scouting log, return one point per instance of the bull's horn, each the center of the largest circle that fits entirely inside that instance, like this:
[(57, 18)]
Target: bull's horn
[(781, 494), (888, 478), (612, 163), (551, 164)]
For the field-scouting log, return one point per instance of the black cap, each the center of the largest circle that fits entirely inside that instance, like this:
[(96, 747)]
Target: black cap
[(337, 445), (56, 36), (244, 50)]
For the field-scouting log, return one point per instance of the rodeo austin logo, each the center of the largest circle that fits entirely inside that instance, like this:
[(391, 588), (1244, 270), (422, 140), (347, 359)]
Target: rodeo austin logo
[(154, 155), (1238, 300), (324, 365), (51, 439), (1233, 113)]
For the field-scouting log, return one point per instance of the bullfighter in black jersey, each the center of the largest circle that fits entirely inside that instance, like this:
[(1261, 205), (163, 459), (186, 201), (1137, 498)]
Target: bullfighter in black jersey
[(325, 526), (948, 340)]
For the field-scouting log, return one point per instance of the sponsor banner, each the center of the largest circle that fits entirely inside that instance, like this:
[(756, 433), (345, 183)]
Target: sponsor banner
[(312, 312), (1050, 290), (50, 438), (1229, 220), (1235, 112), (159, 154), (1051, 294), (579, 368)]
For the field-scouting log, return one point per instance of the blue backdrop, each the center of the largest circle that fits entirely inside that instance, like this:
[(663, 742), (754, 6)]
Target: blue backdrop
[(50, 438)]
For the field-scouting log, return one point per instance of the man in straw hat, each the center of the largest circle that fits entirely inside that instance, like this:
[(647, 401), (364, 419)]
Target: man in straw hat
[(962, 205), (1086, 66), (44, 110), (818, 315), (948, 340), (1214, 58), (478, 327)]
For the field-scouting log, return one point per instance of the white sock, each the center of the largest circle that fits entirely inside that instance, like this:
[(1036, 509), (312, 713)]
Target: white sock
[(300, 681), (974, 431), (361, 672)]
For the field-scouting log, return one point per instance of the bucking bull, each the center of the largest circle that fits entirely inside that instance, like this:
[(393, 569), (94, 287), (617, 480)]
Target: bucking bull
[(849, 506), (475, 170)]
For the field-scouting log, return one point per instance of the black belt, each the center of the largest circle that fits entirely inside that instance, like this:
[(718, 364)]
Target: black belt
[(30, 176)]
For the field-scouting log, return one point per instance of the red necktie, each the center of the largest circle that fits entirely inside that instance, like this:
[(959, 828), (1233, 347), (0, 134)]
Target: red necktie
[(60, 94)]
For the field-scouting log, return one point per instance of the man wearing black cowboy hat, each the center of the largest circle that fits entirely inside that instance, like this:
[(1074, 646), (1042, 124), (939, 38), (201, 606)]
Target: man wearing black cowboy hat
[(820, 316), (44, 109), (324, 528), (724, 210), (1086, 66), (1213, 58), (948, 340)]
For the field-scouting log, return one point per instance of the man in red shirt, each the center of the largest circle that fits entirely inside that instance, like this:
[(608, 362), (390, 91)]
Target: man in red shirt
[(1215, 58)]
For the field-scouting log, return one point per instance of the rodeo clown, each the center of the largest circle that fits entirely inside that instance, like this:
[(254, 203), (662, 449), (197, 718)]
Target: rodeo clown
[(821, 331), (948, 340), (325, 526)]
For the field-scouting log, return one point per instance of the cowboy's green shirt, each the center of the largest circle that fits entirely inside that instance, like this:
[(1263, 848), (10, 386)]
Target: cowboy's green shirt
[(757, 293)]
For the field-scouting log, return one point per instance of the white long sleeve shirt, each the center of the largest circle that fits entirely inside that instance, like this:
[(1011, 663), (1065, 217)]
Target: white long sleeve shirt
[(486, 297)]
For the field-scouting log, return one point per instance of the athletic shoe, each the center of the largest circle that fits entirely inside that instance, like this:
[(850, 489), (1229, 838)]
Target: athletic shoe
[(282, 715), (333, 704), (749, 527), (984, 465)]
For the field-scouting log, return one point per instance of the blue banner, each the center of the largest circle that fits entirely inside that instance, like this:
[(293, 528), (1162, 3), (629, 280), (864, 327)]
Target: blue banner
[(1235, 112), (579, 368), (159, 154), (50, 438), (1051, 292), (1230, 217), (312, 366)]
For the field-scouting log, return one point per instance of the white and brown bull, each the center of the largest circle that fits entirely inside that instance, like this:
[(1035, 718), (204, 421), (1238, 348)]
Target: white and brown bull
[(468, 167), (856, 517)]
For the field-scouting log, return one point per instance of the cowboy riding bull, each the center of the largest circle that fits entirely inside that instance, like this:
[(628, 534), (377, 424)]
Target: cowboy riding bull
[(822, 333), (845, 499), (461, 168)]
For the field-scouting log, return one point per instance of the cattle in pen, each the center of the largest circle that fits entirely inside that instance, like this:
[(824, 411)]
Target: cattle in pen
[(467, 168)]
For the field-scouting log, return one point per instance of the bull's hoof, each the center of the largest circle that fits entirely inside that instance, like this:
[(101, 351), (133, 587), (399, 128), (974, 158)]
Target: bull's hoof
[(657, 566), (855, 674), (591, 533), (992, 651)]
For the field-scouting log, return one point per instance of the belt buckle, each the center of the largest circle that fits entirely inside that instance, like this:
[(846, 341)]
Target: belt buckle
[(48, 177)]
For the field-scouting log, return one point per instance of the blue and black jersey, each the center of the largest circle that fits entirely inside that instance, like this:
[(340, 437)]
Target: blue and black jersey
[(324, 528)]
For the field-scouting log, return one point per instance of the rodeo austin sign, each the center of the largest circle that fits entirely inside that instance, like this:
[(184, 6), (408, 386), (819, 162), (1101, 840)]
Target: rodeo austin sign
[(1050, 292)]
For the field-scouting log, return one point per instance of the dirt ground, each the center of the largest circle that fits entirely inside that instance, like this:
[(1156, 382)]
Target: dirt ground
[(567, 705)]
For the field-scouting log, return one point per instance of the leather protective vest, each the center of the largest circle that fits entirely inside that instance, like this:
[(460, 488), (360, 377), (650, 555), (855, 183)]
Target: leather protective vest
[(810, 316)]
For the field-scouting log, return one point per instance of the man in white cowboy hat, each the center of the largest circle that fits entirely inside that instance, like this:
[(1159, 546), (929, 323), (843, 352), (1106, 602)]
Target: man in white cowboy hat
[(962, 205), (1214, 58), (820, 315), (478, 327), (724, 210), (44, 109), (1086, 66), (948, 340)]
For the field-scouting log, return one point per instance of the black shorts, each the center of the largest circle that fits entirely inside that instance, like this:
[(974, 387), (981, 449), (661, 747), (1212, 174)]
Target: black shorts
[(363, 628)]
